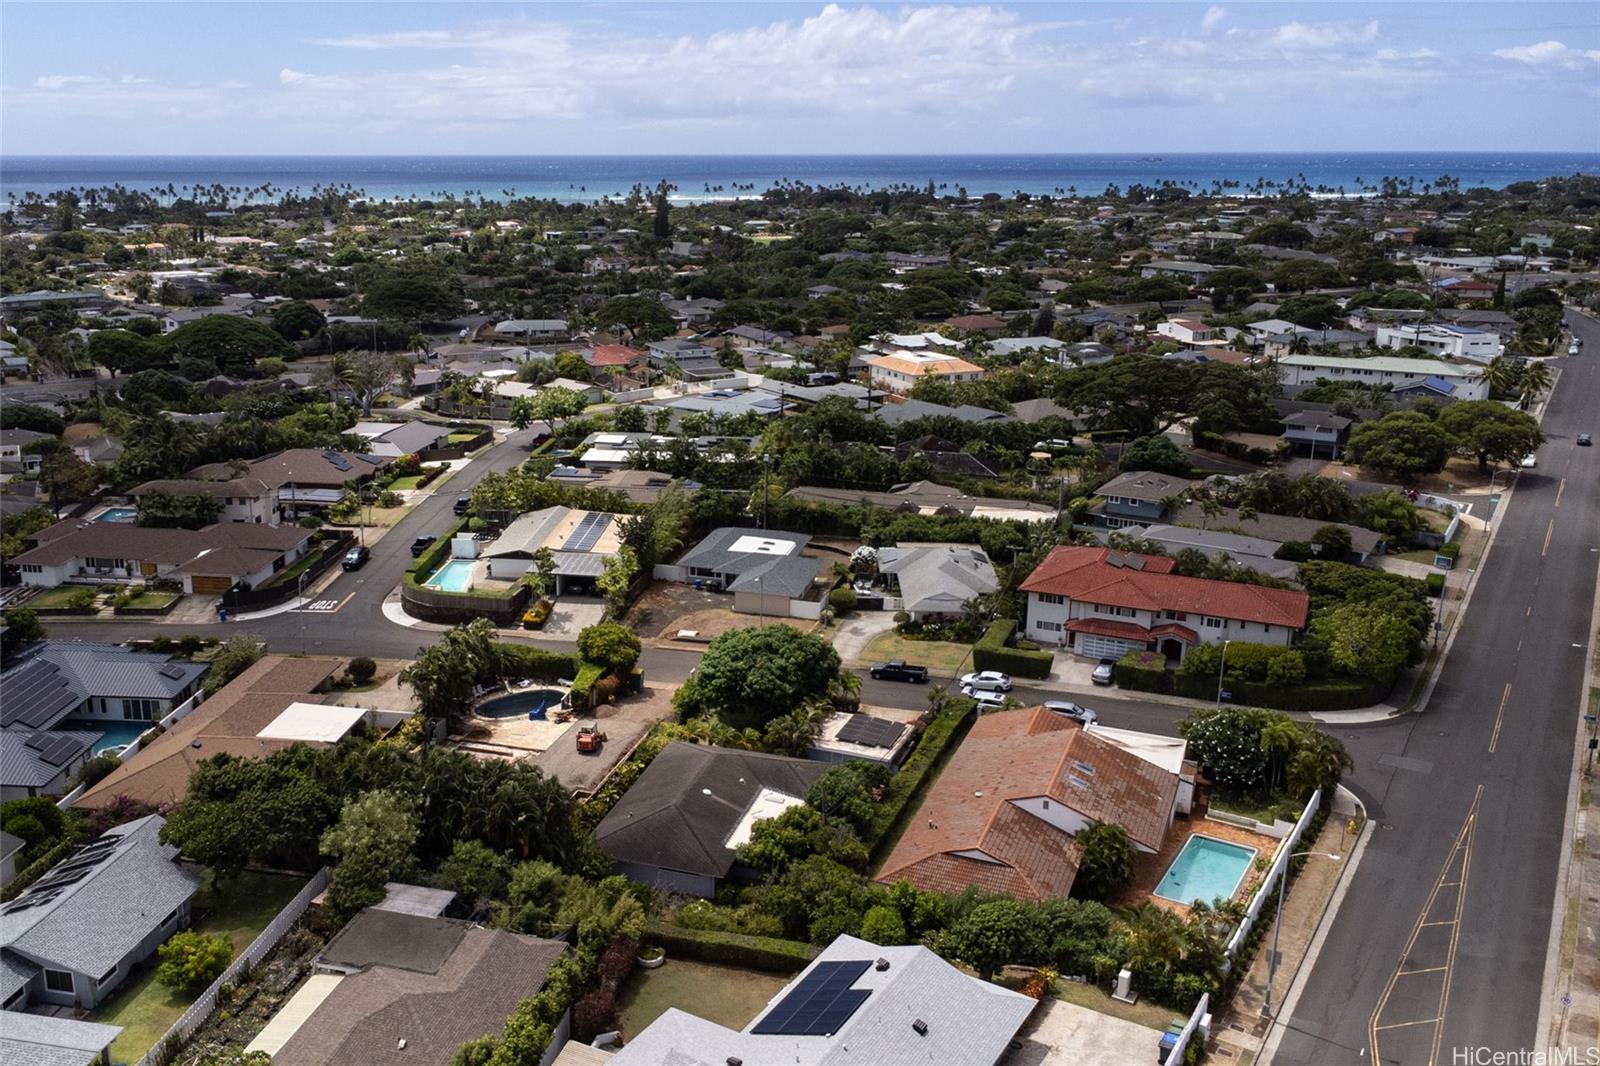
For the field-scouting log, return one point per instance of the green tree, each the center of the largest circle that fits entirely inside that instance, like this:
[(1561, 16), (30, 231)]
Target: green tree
[(1365, 639), (190, 961), (992, 935), (1106, 861), (372, 841), (1390, 513), (1321, 762), (22, 627), (1402, 444), (552, 406), (611, 644), (1334, 541), (118, 350), (408, 297), (297, 321), (1534, 382), (1155, 452), (749, 676), (233, 343), (883, 925), (63, 477), (1490, 431), (235, 656), (640, 318), (445, 676), (474, 872), (850, 791), (170, 510)]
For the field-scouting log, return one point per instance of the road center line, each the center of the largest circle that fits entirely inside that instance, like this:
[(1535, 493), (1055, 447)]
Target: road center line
[(1548, 530), (1559, 490), (1499, 717)]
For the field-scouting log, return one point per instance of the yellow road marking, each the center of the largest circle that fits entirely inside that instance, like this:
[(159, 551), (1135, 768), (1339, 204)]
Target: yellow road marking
[(1462, 850), (1548, 530), (1499, 718)]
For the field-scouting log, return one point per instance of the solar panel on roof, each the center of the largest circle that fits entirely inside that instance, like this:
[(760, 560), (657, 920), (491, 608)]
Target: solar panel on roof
[(870, 731), (820, 1004), (172, 670), (588, 532), (339, 462), (56, 750)]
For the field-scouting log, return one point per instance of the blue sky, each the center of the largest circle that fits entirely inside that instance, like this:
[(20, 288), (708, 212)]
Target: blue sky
[(621, 78)]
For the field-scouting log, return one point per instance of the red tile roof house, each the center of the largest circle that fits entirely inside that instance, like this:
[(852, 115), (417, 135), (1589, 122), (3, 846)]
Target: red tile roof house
[(1102, 603), (206, 561), (1004, 814)]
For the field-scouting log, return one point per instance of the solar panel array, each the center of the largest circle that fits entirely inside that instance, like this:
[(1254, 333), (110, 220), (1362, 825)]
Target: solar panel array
[(873, 732), (339, 462), (36, 696), (589, 531), (56, 749), (74, 868), (820, 1004), (172, 670)]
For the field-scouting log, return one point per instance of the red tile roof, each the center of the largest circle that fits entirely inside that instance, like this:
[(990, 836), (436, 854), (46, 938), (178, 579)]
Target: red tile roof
[(1094, 575), (969, 830), (615, 355), (1105, 627)]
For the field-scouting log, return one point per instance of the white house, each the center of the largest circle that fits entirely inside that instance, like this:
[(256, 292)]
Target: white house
[(1102, 603), (1444, 339), (1189, 331), (1388, 371), (898, 372)]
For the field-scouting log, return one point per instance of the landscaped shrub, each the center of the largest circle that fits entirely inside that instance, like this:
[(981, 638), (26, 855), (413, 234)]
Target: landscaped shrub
[(518, 661), (1273, 664), (1435, 583), (991, 653), (945, 730), (606, 691), (842, 599), (769, 954), (583, 684), (190, 961), (1143, 671), (594, 1014), (362, 669)]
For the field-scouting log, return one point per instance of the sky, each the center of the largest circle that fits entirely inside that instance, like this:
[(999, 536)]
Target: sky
[(453, 78)]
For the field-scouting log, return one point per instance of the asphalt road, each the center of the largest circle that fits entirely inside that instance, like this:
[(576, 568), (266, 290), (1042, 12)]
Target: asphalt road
[(1440, 942)]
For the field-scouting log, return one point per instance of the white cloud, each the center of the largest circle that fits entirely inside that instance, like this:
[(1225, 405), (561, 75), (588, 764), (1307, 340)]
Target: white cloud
[(1213, 18), (62, 81), (1393, 55), (1549, 54), (1320, 36)]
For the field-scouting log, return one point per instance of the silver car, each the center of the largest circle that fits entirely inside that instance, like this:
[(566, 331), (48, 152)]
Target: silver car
[(992, 680), (1071, 710)]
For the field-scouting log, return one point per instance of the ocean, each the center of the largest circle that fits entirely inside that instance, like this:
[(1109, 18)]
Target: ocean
[(701, 177)]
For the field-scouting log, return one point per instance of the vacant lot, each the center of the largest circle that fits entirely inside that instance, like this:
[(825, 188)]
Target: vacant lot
[(941, 657)]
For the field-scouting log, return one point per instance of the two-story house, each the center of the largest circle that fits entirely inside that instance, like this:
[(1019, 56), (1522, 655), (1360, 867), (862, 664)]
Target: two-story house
[(1188, 331), (1316, 433), (1136, 498), (1102, 604), (898, 372)]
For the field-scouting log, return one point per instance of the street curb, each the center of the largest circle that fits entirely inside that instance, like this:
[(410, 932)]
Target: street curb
[(1302, 977), (1564, 887)]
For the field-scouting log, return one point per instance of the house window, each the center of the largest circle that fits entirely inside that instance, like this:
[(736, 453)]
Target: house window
[(1115, 612), (106, 977), (102, 564), (1212, 623), (1051, 597), (32, 568), (1175, 616), (1048, 627), (168, 920), (58, 980), (141, 710)]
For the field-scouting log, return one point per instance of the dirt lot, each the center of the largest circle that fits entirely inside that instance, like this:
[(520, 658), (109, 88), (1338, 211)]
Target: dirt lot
[(623, 724), (656, 611), (719, 620)]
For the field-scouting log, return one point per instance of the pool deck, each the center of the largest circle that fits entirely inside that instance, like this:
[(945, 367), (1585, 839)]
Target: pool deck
[(1150, 869), (478, 579)]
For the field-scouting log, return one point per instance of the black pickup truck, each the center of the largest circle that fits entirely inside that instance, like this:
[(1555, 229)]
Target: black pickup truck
[(899, 670)]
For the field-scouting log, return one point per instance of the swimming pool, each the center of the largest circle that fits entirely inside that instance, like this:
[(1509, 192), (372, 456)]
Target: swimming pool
[(1205, 869), (117, 733), (518, 704), (118, 514), (453, 576)]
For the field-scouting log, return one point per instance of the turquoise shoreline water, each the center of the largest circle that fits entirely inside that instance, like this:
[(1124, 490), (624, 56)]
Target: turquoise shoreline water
[(584, 178)]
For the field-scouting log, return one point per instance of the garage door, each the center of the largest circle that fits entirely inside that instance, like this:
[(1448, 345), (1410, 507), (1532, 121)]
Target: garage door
[(211, 586), (1104, 647)]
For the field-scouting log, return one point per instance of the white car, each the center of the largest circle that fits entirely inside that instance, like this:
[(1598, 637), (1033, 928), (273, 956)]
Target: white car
[(1529, 462), (992, 680), (986, 699)]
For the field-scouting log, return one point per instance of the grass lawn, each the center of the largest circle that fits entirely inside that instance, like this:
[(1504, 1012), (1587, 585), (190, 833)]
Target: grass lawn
[(1263, 811), (147, 601), (291, 574), (404, 484), (1091, 996), (55, 598), (144, 1008), (460, 438), (724, 994), (939, 656)]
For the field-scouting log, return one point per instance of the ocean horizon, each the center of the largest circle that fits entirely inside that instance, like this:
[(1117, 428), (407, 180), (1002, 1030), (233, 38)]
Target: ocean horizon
[(586, 178)]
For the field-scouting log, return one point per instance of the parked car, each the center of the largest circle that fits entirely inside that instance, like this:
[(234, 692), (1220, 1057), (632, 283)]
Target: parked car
[(1574, 347), (356, 557), (1072, 710), (590, 739), (422, 544), (986, 699), (899, 670), (1530, 461), (1584, 440), (992, 680), (1102, 673), (463, 504)]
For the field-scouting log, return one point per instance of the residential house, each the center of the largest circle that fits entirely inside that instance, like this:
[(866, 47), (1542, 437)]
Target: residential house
[(1084, 353), (692, 313), (1435, 389), (928, 498), (911, 410), (26, 303), (302, 478), (671, 351), (50, 1039), (862, 736), (1189, 331), (1101, 603), (639, 486), (393, 986), (76, 933), (1371, 319), (1466, 289), (613, 361), (63, 697), (1257, 553), (1315, 433), (579, 541), (889, 1005), (1004, 814), (1136, 498), (897, 372), (534, 330), (1389, 371), (207, 561), (935, 582), (1009, 346), (1193, 273), (677, 828), (1284, 529), (986, 324), (765, 569), (14, 447), (1446, 340), (754, 337), (394, 439), (1300, 338), (238, 721), (242, 499)]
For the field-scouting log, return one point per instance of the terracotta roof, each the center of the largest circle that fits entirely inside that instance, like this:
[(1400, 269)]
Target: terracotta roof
[(975, 322), (615, 355), (227, 723), (913, 367), (1093, 575), (1173, 629), (969, 830), (1106, 627)]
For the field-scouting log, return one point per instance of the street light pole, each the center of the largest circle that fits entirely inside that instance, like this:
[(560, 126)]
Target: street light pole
[(1222, 670), (1277, 922)]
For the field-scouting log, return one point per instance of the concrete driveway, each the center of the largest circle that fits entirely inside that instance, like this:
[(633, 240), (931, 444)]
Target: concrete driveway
[(852, 634), (1065, 1034)]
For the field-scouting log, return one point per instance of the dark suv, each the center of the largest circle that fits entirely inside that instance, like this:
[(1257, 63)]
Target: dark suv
[(422, 544), (463, 504)]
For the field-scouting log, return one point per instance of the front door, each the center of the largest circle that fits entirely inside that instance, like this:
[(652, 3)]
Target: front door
[(1172, 648)]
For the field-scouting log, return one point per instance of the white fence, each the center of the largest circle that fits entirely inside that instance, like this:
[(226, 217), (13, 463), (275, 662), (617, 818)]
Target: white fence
[(259, 948), (183, 710), (1269, 884), (1189, 1030)]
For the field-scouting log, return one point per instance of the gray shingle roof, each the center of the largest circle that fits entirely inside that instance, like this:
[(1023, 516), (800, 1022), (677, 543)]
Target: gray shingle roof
[(45, 1040), (61, 674), (31, 759), (789, 576), (938, 577), (667, 819), (89, 925)]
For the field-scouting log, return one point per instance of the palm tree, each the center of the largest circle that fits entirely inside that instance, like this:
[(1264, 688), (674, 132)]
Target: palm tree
[(1502, 374), (1280, 736), (1536, 379)]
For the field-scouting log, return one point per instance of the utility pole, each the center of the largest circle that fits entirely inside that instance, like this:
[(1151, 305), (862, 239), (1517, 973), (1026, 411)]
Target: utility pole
[(766, 467)]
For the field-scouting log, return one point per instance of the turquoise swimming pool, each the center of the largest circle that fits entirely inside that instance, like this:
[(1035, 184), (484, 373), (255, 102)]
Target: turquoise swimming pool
[(118, 514), (453, 576), (116, 734), (1205, 869)]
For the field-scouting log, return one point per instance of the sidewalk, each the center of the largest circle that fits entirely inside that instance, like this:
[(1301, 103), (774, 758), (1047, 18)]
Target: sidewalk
[(1242, 1032)]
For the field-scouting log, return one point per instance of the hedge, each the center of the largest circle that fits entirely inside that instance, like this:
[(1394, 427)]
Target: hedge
[(1435, 583), (943, 732), (732, 949), (991, 653), (1143, 671), (583, 683), (1328, 694), (519, 661)]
